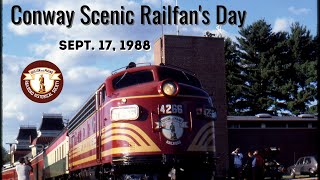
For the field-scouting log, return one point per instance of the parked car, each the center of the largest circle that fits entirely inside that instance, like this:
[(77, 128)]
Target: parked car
[(304, 165)]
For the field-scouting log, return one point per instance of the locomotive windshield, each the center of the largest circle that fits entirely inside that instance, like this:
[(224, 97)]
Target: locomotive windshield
[(178, 76), (130, 79)]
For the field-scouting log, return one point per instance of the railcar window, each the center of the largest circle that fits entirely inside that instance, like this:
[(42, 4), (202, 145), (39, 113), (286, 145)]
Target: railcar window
[(178, 76), (130, 79), (88, 127)]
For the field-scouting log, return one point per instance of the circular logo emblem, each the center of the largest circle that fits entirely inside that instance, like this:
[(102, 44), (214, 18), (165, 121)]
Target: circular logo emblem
[(41, 81), (172, 127)]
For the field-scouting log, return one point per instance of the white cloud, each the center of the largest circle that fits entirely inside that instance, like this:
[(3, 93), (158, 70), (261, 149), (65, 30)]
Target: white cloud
[(298, 11), (199, 31), (147, 58), (158, 3), (87, 74), (16, 105), (192, 30), (68, 105), (14, 65), (41, 49), (20, 1), (14, 108), (282, 24)]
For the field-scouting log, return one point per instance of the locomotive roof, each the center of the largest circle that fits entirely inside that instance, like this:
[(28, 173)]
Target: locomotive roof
[(151, 67)]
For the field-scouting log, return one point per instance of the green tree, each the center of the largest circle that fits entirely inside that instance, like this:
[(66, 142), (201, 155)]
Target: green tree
[(262, 54), (301, 70), (273, 72), (234, 78), (5, 156)]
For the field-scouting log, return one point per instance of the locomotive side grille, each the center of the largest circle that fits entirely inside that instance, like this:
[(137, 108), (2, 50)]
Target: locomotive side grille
[(86, 111)]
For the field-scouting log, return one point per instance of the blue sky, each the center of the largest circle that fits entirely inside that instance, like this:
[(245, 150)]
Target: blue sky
[(84, 71)]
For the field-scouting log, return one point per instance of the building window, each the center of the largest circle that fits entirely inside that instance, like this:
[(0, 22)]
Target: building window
[(298, 125), (234, 125), (275, 125), (250, 125)]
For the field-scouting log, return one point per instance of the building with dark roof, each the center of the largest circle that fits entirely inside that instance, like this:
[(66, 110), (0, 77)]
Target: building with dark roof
[(29, 140), (26, 133), (51, 126), (25, 136), (293, 136)]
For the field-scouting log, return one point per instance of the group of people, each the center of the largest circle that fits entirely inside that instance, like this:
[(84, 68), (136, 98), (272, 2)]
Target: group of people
[(24, 169), (252, 169)]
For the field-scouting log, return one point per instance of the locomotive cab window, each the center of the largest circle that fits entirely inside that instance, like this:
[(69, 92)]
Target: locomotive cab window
[(130, 79), (103, 94), (178, 76)]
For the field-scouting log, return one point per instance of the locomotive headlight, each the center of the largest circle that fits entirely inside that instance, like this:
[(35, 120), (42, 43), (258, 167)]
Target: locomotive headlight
[(169, 88), (130, 112)]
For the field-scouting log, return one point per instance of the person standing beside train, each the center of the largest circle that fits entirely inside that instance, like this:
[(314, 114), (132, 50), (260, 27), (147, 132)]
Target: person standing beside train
[(23, 170), (257, 166), (247, 168), (28, 163), (237, 162)]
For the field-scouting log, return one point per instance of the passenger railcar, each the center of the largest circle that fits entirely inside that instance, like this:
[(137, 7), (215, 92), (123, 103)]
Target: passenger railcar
[(37, 166), (36, 174), (149, 121), (56, 158), (9, 174)]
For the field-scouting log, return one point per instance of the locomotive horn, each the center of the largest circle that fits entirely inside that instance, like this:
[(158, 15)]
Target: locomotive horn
[(131, 65)]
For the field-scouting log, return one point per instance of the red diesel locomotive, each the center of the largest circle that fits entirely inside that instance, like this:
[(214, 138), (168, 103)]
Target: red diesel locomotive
[(148, 122), (144, 122)]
